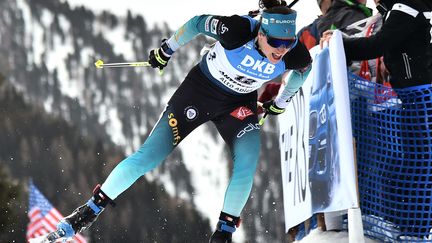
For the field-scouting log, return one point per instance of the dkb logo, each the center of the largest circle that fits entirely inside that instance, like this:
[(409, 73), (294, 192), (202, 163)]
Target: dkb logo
[(260, 66)]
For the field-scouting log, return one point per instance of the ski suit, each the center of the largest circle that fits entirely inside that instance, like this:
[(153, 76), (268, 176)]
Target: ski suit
[(222, 89)]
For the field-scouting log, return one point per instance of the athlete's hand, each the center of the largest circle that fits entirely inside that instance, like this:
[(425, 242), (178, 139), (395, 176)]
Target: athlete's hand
[(159, 57), (271, 108)]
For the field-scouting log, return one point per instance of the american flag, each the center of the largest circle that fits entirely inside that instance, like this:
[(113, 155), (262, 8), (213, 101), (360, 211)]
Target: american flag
[(43, 216)]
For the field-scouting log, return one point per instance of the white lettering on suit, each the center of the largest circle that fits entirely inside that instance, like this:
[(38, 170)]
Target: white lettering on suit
[(257, 65)]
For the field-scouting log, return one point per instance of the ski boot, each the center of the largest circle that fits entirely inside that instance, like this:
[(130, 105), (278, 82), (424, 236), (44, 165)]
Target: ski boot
[(225, 227), (84, 216)]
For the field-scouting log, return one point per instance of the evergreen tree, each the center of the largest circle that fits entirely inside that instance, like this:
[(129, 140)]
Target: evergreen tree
[(10, 204)]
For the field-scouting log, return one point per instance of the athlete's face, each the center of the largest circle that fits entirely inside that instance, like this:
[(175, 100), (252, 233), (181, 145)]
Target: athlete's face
[(325, 5), (274, 54)]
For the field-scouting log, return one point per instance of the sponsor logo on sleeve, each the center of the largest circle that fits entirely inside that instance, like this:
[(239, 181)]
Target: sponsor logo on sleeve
[(222, 29), (213, 26), (207, 24)]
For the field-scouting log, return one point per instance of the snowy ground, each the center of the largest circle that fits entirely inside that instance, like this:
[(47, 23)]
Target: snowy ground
[(318, 236)]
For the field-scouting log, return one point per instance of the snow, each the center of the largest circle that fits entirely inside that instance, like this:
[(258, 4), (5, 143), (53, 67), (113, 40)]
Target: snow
[(54, 59), (116, 36), (114, 124), (175, 12), (48, 104), (319, 236), (103, 113), (87, 56), (30, 32)]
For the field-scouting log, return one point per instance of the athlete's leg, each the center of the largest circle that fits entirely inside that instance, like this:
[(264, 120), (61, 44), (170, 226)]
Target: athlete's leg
[(161, 141), (243, 137), (240, 131)]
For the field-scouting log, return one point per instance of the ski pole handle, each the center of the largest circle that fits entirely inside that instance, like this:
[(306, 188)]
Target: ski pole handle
[(161, 71), (262, 120)]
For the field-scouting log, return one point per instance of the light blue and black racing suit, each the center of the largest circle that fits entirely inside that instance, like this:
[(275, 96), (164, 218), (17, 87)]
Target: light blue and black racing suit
[(222, 89)]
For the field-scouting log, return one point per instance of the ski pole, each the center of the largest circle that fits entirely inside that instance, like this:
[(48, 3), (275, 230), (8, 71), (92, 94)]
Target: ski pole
[(261, 121), (100, 64), (292, 3)]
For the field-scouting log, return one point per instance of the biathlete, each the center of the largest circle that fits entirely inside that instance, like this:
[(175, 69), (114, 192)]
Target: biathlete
[(222, 88)]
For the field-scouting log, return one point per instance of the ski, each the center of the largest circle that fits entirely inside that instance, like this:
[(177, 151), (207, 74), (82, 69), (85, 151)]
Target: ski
[(63, 232), (50, 237)]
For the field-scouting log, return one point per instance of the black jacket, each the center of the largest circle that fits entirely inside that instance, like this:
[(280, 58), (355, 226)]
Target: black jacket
[(405, 42), (341, 14)]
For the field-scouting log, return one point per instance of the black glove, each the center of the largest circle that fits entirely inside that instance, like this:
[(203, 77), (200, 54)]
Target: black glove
[(271, 108), (159, 57)]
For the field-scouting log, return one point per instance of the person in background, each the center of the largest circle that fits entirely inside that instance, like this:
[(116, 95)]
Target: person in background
[(222, 88), (309, 35), (405, 42), (374, 69), (343, 13)]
